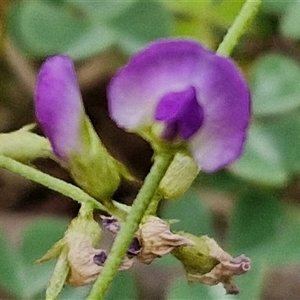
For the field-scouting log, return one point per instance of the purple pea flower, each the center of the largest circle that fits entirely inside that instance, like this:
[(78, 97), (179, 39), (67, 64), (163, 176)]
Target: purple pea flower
[(199, 97), (60, 112), (58, 105)]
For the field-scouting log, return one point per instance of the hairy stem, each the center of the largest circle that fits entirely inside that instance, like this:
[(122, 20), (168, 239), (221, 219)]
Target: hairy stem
[(56, 184), (130, 226), (238, 27)]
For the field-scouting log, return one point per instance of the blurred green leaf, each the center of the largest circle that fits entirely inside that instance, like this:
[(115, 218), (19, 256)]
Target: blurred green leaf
[(39, 236), (290, 25), (222, 181), (284, 246), (275, 7), (94, 41), (123, 287), (286, 133), (275, 85), (100, 11), (143, 22), (41, 28), (11, 268), (262, 162), (83, 28), (192, 213), (255, 220), (70, 292), (281, 248), (250, 283), (180, 289)]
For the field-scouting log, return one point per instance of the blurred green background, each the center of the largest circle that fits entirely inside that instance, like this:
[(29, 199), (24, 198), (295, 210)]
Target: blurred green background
[(252, 207)]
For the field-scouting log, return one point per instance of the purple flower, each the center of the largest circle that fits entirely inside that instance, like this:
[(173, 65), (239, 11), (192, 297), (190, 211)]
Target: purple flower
[(58, 105), (61, 114), (198, 96)]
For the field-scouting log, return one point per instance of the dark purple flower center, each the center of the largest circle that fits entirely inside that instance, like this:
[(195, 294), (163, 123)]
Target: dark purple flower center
[(181, 112)]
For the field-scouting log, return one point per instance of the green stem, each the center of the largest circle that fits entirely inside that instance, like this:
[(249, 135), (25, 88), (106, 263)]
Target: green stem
[(238, 27), (130, 226), (59, 276), (152, 207), (55, 184)]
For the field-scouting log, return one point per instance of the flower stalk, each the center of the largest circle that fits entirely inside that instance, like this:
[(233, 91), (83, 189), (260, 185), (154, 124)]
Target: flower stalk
[(128, 229), (238, 27)]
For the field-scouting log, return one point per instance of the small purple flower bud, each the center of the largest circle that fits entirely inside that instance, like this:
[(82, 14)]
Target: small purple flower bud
[(199, 97)]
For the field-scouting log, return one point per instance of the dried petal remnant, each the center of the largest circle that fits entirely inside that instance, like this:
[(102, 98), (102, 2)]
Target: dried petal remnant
[(208, 263), (157, 240)]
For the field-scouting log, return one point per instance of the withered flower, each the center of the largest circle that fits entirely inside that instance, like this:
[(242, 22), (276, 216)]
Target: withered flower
[(156, 239), (206, 262)]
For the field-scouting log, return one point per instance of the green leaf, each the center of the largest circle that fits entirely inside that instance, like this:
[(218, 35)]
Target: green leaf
[(262, 162), (180, 289), (275, 7), (290, 25), (11, 268), (123, 287), (42, 28), (275, 85), (38, 237), (192, 213), (255, 220), (100, 11), (250, 283), (221, 181), (84, 28), (143, 22), (70, 292), (94, 41), (285, 132)]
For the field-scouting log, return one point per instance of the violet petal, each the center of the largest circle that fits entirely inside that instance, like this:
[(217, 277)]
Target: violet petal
[(174, 65), (181, 112), (58, 105)]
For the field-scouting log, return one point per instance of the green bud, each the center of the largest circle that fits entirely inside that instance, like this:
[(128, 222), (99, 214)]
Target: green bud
[(85, 225), (179, 176), (196, 259), (23, 145), (93, 168)]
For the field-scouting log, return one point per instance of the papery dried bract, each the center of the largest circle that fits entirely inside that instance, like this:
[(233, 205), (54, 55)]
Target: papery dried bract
[(157, 240)]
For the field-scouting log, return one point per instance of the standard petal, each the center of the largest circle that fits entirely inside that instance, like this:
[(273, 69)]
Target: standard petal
[(163, 67), (225, 99), (58, 105)]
